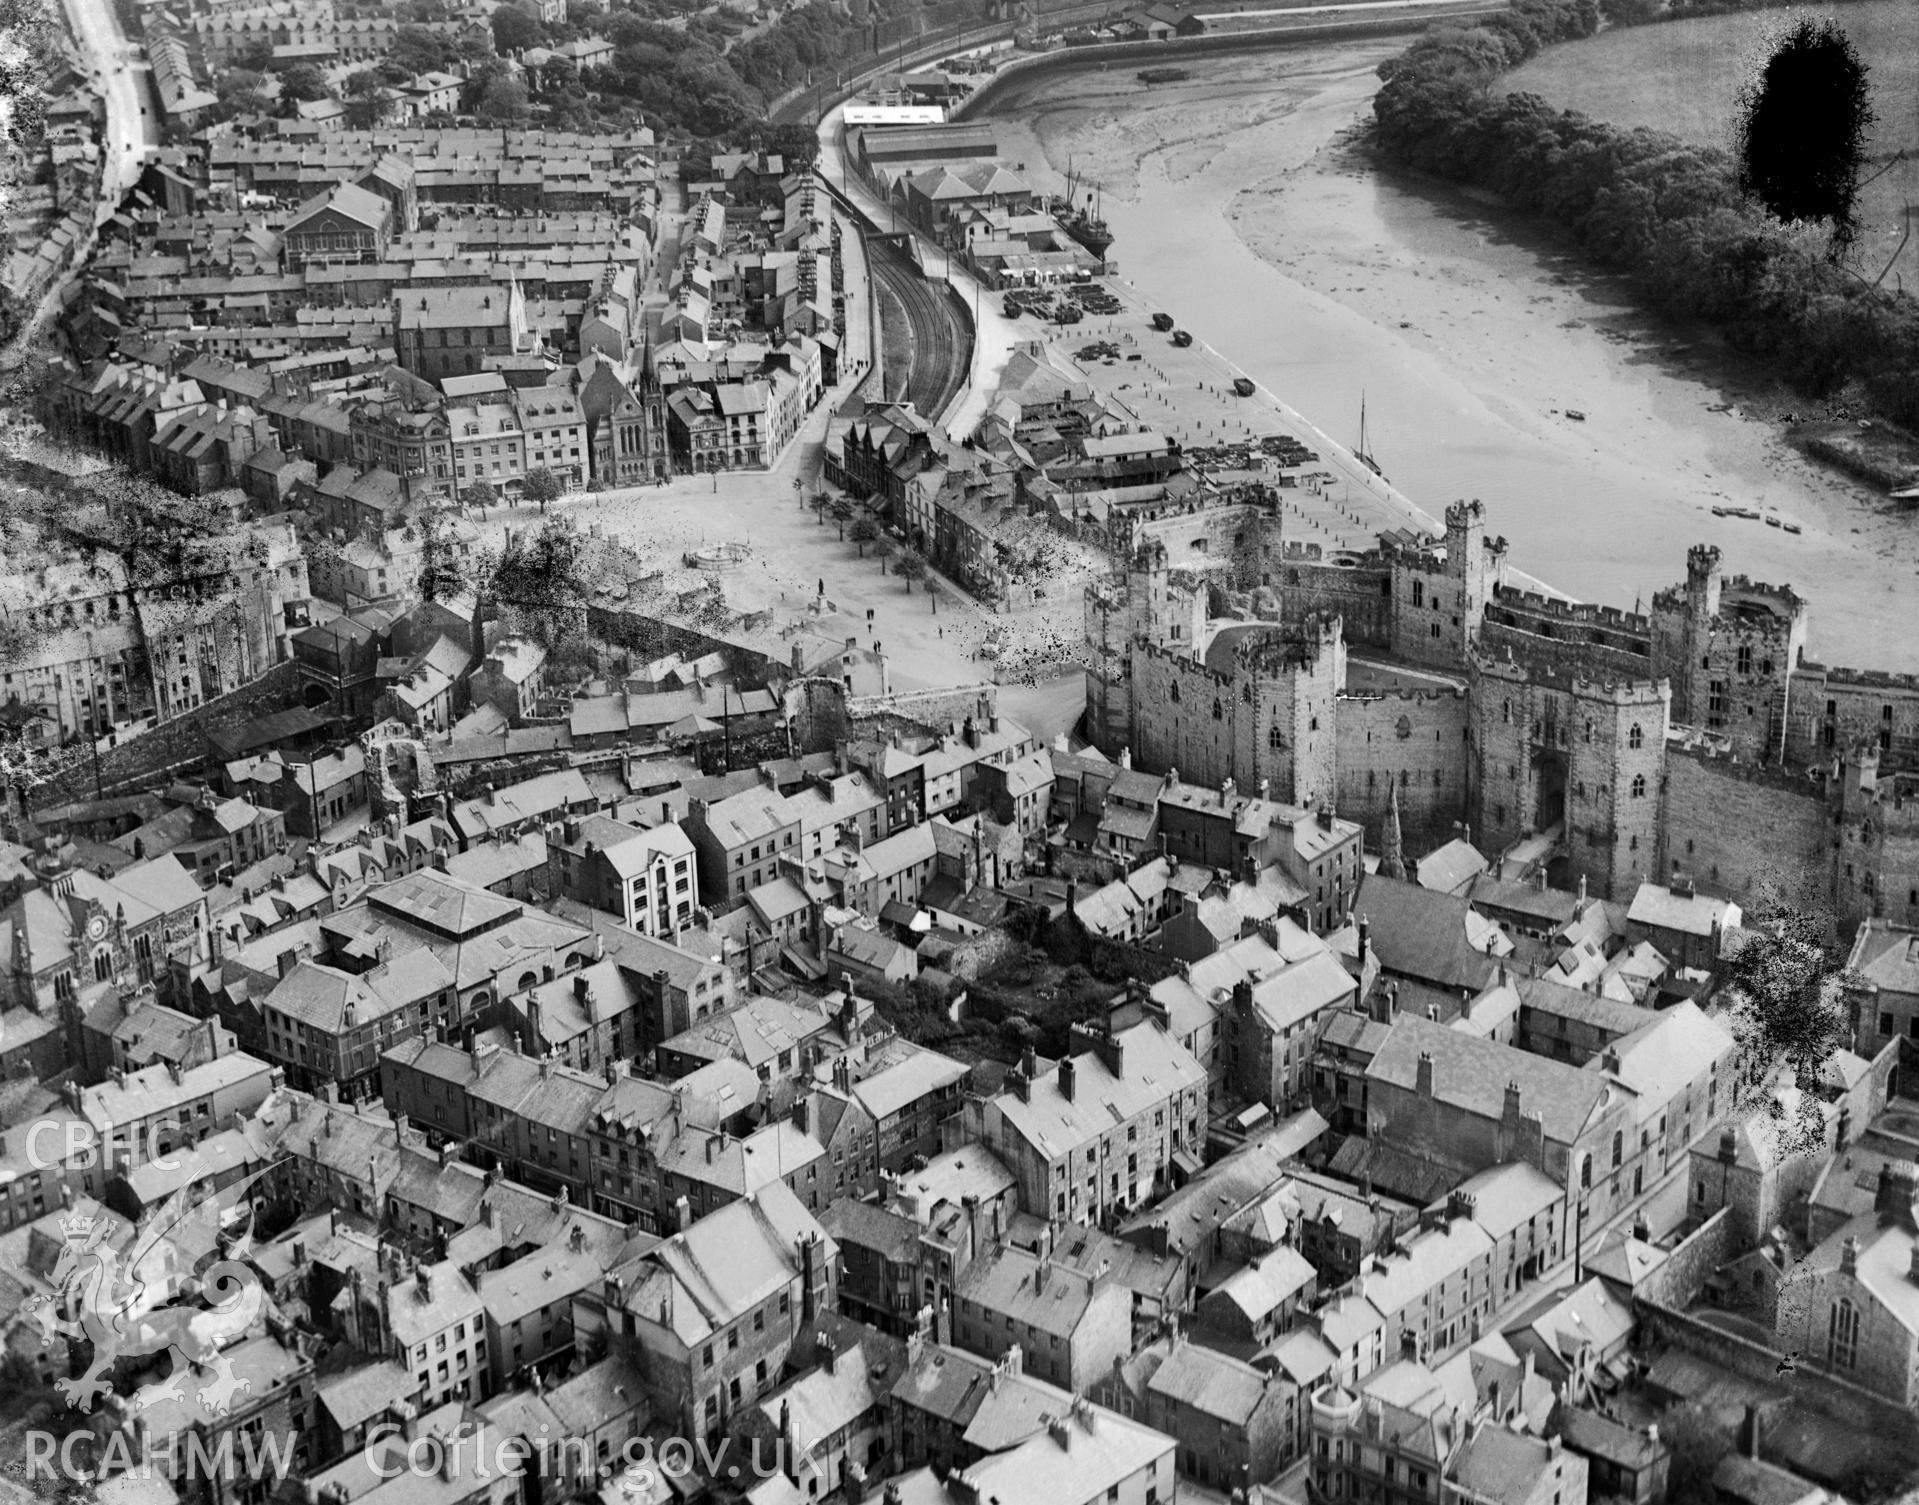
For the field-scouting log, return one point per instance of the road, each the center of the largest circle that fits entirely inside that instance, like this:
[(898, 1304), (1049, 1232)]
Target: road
[(132, 131), (941, 351)]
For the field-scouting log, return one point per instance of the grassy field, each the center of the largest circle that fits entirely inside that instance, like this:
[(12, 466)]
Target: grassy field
[(1684, 77)]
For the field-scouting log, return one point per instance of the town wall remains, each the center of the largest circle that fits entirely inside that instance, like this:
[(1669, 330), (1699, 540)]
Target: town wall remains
[(180, 742)]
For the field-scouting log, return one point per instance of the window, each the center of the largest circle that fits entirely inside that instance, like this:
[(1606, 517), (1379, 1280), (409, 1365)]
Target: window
[(1745, 658), (1273, 738), (1639, 786), (1419, 593), (1842, 1335), (1174, 694), (1618, 1146)]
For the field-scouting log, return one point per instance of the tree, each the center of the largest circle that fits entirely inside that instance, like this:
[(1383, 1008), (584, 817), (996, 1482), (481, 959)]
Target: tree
[(242, 92), (503, 102), (842, 514), (912, 566), (821, 501), (1791, 999), (865, 530), (1698, 1444), (542, 485), (302, 82), (480, 495), (1802, 129), (515, 30), (419, 50)]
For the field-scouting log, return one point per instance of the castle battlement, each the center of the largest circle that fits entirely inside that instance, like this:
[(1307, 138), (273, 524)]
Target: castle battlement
[(1623, 691), (1584, 613), (1409, 696), (1716, 752), (1187, 664), (1877, 679), (1747, 586)]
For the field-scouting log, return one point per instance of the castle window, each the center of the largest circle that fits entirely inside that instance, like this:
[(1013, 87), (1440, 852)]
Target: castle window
[(1639, 786), (1174, 697), (1842, 1334), (1435, 629), (1689, 846), (1765, 666), (1589, 733), (1219, 711), (1506, 712), (1419, 593), (1313, 725), (1745, 658), (1273, 738), (1635, 739), (1832, 709), (1633, 845)]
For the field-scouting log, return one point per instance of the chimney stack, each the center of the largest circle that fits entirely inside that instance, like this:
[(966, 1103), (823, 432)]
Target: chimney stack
[(1424, 1084)]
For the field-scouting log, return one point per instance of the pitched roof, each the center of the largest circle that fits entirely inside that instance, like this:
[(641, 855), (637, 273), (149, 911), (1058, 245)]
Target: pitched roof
[(1422, 934), (1472, 1073)]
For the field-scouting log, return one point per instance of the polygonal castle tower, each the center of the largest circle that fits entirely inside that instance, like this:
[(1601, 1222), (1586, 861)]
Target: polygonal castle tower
[(1584, 754), (1261, 705), (1730, 647), (1440, 601)]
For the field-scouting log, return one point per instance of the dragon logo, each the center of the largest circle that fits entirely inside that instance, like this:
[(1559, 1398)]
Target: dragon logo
[(120, 1303)]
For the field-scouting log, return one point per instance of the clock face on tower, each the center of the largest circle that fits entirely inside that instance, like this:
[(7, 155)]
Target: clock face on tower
[(96, 927)]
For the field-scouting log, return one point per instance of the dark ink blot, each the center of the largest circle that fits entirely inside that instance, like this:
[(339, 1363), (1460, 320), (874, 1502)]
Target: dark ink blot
[(1802, 129)]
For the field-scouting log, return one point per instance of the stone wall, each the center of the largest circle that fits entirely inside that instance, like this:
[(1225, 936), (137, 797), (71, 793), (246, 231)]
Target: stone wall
[(176, 746), (1858, 1409), (1358, 589), (1414, 737), (934, 710), (1677, 1282), (1732, 827), (1832, 711)]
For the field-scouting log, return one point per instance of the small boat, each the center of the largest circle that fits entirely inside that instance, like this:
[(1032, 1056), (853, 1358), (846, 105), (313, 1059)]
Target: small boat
[(1722, 512), (1772, 520), (1362, 454), (1794, 528), (1575, 415), (1181, 338), (1243, 385), (1746, 512)]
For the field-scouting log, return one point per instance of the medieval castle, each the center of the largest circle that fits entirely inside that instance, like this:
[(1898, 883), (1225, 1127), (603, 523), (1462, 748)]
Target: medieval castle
[(1617, 747)]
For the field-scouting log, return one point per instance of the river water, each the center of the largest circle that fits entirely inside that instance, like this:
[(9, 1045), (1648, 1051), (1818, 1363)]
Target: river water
[(1238, 203)]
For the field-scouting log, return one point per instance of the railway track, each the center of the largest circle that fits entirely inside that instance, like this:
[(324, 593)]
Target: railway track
[(941, 346)]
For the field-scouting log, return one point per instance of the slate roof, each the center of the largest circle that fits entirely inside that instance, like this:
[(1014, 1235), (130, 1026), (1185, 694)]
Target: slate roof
[(1471, 1073), (1422, 934)]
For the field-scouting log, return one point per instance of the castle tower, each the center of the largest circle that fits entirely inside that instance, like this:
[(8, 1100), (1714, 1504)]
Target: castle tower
[(1586, 758), (1730, 647), (1439, 603)]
